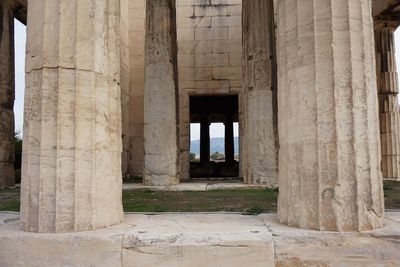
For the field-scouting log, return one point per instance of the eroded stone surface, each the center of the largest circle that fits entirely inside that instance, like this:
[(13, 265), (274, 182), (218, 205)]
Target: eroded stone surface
[(161, 140), (260, 153), (7, 94), (294, 247), (388, 91), (329, 157), (71, 171), (199, 240)]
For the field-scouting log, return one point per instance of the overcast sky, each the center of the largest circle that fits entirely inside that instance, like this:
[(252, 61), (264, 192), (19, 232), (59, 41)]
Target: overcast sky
[(20, 40), (216, 130)]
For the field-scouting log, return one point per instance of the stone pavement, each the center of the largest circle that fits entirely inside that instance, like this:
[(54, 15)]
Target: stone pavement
[(195, 186), (199, 240)]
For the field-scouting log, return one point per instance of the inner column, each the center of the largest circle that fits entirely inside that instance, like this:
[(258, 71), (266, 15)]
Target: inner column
[(389, 113), (7, 95), (259, 159), (204, 139), (229, 139), (160, 95)]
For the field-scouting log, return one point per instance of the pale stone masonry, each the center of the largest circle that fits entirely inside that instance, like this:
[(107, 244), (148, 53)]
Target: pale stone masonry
[(72, 129), (260, 153), (6, 94), (125, 83), (109, 85), (329, 157), (137, 30), (388, 97), (161, 166), (9, 10), (209, 58)]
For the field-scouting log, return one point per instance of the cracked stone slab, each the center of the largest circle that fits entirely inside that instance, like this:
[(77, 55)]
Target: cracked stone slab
[(197, 240), (198, 186), (297, 247), (93, 248)]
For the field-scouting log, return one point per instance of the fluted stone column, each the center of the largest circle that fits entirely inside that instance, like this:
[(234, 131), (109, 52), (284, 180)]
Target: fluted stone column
[(260, 154), (204, 139), (229, 140), (71, 173), (160, 95), (388, 91), (329, 173), (7, 95)]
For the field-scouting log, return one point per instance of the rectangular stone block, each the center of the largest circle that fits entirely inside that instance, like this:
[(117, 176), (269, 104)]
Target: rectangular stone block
[(235, 10), (226, 21), (209, 60), (194, 47), (235, 32), (226, 2), (186, 11), (209, 10), (186, 60), (226, 72), (227, 46), (196, 22), (235, 59), (192, 3), (184, 34), (217, 33), (195, 74), (224, 246), (211, 84)]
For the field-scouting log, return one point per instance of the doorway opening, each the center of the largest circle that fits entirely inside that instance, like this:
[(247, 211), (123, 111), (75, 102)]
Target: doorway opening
[(212, 121)]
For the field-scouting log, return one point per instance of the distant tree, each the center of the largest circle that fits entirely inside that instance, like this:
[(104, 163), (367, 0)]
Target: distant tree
[(217, 156), (192, 156)]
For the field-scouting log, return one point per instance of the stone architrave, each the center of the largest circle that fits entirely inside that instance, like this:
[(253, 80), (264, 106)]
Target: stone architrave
[(71, 173), (329, 158), (161, 95), (260, 153)]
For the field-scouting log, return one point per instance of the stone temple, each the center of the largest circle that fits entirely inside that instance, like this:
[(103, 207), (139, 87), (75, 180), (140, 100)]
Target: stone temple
[(112, 87)]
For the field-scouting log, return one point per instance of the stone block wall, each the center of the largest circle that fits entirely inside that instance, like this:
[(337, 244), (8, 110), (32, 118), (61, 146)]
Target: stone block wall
[(209, 34), (209, 46)]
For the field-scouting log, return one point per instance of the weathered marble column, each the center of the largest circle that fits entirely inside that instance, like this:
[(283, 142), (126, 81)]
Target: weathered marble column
[(7, 95), (161, 95), (329, 173), (260, 153), (204, 140), (71, 173), (388, 91), (229, 140)]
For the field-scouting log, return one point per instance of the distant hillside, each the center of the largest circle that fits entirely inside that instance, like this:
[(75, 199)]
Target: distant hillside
[(217, 145)]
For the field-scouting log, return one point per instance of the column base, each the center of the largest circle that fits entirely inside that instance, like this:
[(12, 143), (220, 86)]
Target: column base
[(160, 180)]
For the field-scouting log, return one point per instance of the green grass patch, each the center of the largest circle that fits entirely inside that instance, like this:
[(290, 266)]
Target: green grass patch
[(392, 194), (246, 201), (9, 199)]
